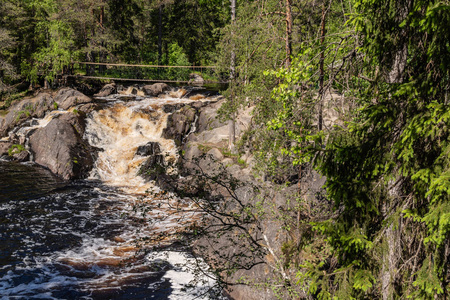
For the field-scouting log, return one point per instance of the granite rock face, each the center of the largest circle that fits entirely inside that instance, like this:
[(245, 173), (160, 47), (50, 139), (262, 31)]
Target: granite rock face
[(179, 124), (28, 108), (38, 106), (196, 78), (149, 149), (107, 90), (156, 89), (251, 247), (68, 97), (4, 147), (154, 167), (59, 146)]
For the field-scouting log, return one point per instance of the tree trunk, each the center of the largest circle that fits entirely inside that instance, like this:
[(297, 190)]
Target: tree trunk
[(392, 252), (390, 264), (232, 130), (233, 54), (321, 68), (102, 16), (160, 35), (392, 257), (288, 33), (89, 68)]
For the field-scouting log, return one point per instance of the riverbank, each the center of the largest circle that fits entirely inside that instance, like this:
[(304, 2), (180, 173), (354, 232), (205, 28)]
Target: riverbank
[(174, 140)]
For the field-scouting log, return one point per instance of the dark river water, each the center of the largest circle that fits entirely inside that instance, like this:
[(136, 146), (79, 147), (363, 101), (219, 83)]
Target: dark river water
[(78, 241)]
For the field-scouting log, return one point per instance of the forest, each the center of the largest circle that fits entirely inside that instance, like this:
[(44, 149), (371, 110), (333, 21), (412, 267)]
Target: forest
[(381, 229)]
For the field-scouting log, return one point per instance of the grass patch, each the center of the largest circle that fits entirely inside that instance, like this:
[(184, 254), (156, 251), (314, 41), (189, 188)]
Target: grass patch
[(15, 149), (227, 153), (204, 148), (10, 98), (27, 112), (241, 162)]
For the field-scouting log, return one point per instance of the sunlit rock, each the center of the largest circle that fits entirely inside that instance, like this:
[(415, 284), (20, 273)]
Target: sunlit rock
[(155, 89), (59, 146), (28, 108), (68, 97), (107, 90)]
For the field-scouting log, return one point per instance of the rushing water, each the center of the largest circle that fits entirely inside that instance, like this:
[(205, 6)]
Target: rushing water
[(79, 240)]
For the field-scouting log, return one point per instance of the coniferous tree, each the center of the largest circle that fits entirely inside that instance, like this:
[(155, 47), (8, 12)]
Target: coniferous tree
[(387, 171)]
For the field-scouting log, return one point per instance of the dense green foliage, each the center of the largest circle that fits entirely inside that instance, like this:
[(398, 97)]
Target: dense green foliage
[(387, 168), (41, 39), (386, 165)]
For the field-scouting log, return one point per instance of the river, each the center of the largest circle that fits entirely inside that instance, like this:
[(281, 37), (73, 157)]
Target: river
[(111, 236)]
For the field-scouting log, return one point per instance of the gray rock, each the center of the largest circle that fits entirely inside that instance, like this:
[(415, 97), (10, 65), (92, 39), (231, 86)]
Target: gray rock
[(151, 148), (107, 90), (4, 147), (227, 162), (59, 147), (154, 90), (179, 124), (219, 135), (198, 104), (21, 156), (208, 117), (68, 97), (154, 167), (192, 152), (215, 154), (87, 108), (222, 249), (126, 98), (169, 108), (26, 109), (14, 151), (196, 78)]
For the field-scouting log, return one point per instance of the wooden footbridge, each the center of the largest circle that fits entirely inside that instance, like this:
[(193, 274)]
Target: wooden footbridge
[(197, 75)]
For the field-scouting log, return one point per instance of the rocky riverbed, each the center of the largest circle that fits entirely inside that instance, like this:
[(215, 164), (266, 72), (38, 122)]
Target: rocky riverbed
[(172, 139)]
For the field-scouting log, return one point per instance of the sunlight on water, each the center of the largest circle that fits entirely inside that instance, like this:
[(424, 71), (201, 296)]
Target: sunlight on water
[(86, 239)]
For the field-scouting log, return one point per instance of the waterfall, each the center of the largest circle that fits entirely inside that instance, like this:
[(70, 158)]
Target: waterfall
[(118, 131)]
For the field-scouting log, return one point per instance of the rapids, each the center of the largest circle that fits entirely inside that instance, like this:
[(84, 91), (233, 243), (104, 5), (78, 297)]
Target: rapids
[(98, 238), (119, 130)]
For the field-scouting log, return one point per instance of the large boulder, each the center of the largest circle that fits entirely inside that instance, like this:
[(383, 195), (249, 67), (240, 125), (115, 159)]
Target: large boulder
[(211, 129), (154, 166), (35, 107), (154, 90), (196, 78), (68, 97), (149, 149), (208, 118), (107, 90), (179, 124), (4, 147), (59, 147), (18, 153)]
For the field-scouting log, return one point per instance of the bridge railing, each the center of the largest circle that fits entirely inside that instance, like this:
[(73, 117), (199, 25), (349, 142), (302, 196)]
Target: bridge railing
[(150, 73)]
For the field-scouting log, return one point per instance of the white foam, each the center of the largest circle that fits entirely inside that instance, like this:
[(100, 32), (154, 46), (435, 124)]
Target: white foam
[(190, 277), (119, 131)]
